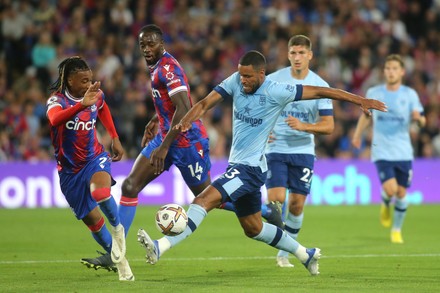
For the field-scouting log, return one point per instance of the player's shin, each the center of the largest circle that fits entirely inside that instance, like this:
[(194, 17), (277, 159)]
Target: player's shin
[(293, 224), (278, 238), (101, 234), (196, 214), (107, 204), (127, 211), (400, 208)]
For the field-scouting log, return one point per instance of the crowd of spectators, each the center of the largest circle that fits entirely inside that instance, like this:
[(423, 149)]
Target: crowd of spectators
[(350, 41)]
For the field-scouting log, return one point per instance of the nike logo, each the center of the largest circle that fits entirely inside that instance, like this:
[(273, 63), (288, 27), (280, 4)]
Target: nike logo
[(115, 257)]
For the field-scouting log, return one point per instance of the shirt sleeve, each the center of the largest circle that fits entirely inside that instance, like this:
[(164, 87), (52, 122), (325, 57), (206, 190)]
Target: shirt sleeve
[(416, 104), (173, 77)]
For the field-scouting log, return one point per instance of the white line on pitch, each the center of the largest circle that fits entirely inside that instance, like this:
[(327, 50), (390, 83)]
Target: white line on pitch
[(221, 258)]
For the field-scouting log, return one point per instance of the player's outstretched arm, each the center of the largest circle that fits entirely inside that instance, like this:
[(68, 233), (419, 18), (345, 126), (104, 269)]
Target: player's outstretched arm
[(316, 92), (198, 110)]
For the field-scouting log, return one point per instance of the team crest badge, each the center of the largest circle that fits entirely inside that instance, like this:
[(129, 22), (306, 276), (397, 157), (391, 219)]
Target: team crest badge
[(262, 100), (169, 75)]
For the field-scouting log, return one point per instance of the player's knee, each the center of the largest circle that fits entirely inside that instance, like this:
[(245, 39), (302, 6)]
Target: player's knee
[(96, 227), (101, 194), (206, 202), (296, 210), (128, 188)]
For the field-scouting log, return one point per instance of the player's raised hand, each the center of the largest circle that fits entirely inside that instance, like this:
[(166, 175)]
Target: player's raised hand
[(367, 104), (118, 150), (92, 94)]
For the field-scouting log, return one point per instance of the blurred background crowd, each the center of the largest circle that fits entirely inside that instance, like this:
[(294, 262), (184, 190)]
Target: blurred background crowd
[(350, 39)]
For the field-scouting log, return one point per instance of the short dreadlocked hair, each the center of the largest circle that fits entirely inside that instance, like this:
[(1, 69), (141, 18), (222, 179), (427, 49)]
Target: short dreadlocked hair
[(65, 69)]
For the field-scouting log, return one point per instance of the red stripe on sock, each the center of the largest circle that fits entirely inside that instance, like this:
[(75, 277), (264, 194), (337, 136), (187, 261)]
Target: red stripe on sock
[(101, 194), (128, 201), (95, 228)]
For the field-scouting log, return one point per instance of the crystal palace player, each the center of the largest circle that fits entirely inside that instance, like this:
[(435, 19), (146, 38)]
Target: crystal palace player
[(83, 165), (163, 146), (187, 151)]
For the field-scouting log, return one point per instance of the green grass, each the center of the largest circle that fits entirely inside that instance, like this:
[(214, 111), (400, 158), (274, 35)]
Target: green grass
[(40, 251)]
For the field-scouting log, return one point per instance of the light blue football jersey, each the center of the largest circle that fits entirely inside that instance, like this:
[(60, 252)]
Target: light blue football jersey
[(391, 140), (288, 140), (254, 116)]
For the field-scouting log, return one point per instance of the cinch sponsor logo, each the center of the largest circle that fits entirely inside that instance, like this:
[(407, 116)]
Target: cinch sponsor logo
[(252, 121), (155, 93), (80, 125)]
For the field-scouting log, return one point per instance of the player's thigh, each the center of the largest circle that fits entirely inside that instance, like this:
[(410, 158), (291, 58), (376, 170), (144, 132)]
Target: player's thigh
[(76, 190), (387, 176), (196, 190), (277, 172), (241, 185), (99, 172), (100, 179), (209, 198), (300, 173), (404, 173), (194, 164)]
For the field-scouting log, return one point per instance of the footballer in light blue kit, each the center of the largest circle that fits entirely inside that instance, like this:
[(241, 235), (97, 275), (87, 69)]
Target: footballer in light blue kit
[(291, 149), (289, 140), (257, 102), (391, 149)]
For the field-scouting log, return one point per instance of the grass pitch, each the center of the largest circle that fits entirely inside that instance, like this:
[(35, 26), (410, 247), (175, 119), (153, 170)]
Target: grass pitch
[(40, 251)]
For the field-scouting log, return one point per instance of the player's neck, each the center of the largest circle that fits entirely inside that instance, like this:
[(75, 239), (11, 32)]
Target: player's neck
[(71, 96), (299, 74), (392, 87)]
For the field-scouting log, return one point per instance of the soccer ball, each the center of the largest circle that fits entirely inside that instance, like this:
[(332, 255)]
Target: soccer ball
[(171, 219)]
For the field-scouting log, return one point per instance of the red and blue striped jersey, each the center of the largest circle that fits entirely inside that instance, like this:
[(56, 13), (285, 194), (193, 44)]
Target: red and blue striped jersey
[(75, 142), (167, 79)]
